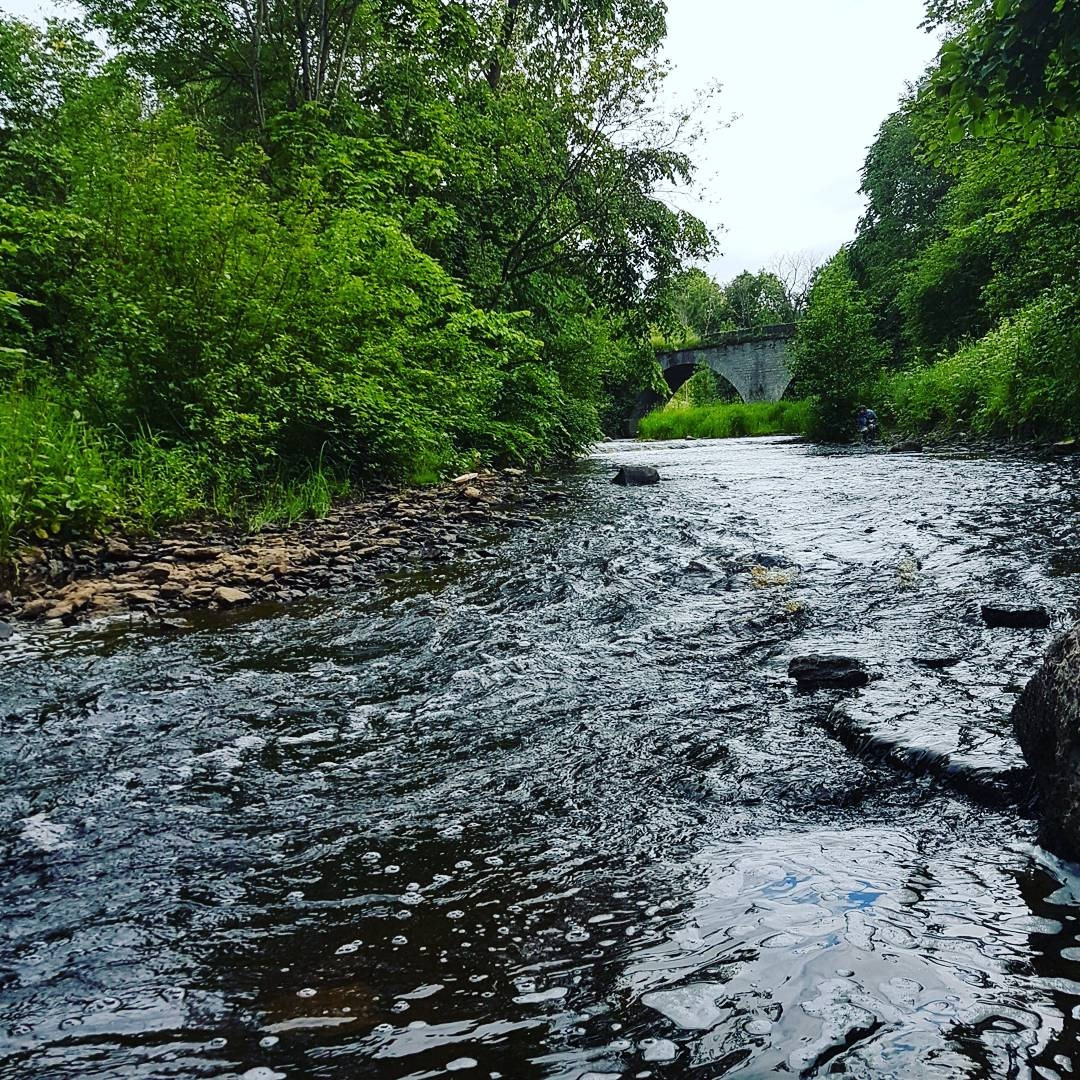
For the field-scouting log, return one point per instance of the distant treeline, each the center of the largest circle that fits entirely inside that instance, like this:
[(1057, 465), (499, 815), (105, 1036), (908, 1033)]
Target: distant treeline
[(956, 306)]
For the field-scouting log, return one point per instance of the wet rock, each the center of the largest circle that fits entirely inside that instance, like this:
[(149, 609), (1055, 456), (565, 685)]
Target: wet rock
[(142, 598), (814, 671), (696, 567), (1065, 447), (6, 630), (35, 608), (465, 478), (7, 601), (473, 493), (906, 446), (157, 572), (636, 476), (116, 550), (229, 597), (1046, 719), (1015, 617)]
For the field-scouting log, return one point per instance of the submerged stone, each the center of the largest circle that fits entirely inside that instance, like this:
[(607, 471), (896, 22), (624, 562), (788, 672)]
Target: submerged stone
[(1015, 617), (815, 671)]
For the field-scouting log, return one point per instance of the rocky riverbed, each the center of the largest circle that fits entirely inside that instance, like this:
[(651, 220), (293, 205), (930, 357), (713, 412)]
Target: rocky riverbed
[(203, 565)]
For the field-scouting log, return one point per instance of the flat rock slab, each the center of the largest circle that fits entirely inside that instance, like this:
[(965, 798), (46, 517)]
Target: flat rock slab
[(816, 671), (636, 476), (1016, 617)]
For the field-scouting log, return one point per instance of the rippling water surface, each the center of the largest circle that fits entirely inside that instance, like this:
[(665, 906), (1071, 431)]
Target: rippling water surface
[(558, 812)]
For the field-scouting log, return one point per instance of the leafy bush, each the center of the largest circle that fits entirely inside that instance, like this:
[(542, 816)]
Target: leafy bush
[(1020, 378), (53, 477)]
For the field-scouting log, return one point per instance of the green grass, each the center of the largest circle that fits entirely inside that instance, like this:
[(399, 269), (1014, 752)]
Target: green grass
[(727, 421), (61, 477)]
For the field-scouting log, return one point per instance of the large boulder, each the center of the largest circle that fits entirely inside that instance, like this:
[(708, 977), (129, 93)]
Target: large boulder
[(1046, 719), (814, 672), (636, 476)]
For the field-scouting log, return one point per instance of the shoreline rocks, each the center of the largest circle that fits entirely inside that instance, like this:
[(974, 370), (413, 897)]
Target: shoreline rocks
[(207, 566), (1046, 720)]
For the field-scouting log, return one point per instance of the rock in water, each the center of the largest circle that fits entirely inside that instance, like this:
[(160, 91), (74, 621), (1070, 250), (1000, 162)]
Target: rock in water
[(814, 672), (1046, 719), (906, 446), (6, 630), (1016, 617), (636, 476)]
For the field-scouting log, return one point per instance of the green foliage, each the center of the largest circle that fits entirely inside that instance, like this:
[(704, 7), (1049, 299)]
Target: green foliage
[(758, 300), (53, 474), (394, 239), (835, 355), (1018, 379), (727, 421)]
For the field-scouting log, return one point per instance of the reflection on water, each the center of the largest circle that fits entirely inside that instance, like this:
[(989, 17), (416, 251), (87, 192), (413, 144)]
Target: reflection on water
[(559, 812)]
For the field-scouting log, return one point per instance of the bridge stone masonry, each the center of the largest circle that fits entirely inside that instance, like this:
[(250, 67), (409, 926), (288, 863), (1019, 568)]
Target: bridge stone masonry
[(754, 361)]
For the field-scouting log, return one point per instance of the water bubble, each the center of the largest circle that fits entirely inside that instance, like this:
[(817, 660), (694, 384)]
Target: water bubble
[(269, 1041), (457, 913), (404, 914), (464, 864), (761, 1026), (577, 935), (261, 1072), (413, 887), (383, 1029), (391, 869), (307, 992), (504, 930), (295, 896), (370, 856), (217, 1044), (401, 939), (441, 879), (458, 1064), (412, 898), (349, 947), (417, 1024), (399, 1007), (493, 860)]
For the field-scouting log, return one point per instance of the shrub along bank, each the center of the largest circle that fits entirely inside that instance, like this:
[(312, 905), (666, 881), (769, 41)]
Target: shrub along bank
[(240, 274)]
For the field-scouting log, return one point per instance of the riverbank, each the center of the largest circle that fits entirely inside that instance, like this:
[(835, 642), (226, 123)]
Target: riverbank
[(208, 565)]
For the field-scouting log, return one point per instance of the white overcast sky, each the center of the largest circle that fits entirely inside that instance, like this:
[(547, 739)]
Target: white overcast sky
[(810, 84)]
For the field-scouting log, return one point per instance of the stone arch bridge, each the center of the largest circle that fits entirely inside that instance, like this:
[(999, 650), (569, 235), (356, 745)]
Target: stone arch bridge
[(754, 361)]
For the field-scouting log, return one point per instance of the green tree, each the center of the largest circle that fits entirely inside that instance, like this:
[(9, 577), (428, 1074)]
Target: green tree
[(758, 300), (835, 355)]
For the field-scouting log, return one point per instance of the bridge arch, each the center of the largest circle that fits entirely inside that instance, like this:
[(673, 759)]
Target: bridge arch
[(754, 361)]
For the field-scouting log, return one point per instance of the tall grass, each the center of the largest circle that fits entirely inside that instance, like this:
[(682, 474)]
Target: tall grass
[(60, 477), (1022, 378), (53, 475), (727, 421)]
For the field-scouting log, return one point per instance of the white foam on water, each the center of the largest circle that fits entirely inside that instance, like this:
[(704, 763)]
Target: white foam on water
[(554, 994), (44, 834), (459, 1064), (658, 1050)]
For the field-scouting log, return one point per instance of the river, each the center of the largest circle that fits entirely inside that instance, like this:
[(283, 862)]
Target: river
[(556, 810)]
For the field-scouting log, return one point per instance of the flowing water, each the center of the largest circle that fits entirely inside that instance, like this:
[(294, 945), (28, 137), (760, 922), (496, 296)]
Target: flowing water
[(557, 811)]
